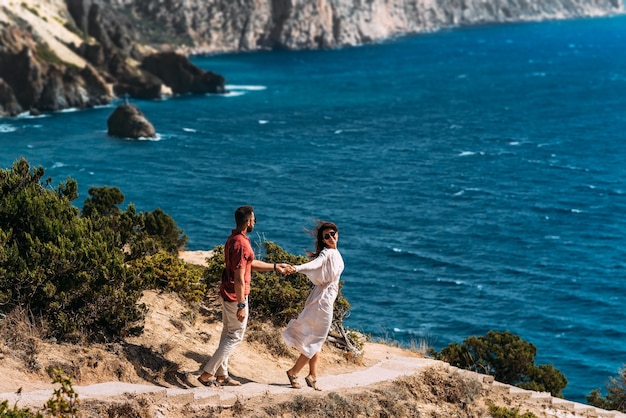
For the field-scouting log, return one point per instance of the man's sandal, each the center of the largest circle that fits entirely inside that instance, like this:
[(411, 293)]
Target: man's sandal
[(209, 383), (294, 381), (311, 382)]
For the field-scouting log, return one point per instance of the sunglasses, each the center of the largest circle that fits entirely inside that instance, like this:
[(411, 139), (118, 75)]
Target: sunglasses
[(330, 234)]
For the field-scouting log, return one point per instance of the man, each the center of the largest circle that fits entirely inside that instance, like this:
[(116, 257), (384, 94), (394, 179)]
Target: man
[(235, 287)]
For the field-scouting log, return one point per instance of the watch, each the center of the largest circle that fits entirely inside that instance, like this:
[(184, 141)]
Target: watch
[(241, 305)]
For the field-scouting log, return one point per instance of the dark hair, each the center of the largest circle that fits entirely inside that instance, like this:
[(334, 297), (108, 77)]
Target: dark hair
[(242, 214), (319, 239)]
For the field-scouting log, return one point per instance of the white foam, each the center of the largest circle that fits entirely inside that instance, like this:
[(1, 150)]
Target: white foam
[(234, 94), (244, 87), (189, 130), (4, 128), (27, 115)]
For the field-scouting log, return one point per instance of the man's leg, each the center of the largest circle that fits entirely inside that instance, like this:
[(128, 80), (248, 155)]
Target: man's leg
[(232, 335)]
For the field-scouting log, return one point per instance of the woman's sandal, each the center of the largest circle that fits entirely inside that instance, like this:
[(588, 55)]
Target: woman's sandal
[(294, 381), (311, 382)]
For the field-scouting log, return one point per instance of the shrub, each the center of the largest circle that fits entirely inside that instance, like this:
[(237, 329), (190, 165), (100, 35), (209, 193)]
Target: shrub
[(64, 401), (141, 233), (167, 272), (502, 412), (70, 271), (506, 357), (616, 396), (15, 412)]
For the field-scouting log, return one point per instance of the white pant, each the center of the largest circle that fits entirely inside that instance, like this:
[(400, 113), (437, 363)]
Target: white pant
[(232, 336)]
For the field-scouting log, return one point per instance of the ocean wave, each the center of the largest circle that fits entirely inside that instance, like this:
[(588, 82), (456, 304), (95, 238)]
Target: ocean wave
[(233, 94), (27, 115), (157, 137), (4, 128), (245, 87), (235, 90)]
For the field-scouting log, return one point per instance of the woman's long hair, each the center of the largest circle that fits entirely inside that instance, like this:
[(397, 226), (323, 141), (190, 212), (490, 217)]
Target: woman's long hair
[(319, 239)]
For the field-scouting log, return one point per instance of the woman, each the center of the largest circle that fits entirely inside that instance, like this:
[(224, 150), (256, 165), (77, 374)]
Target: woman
[(308, 332)]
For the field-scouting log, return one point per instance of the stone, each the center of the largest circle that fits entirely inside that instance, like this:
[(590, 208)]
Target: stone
[(127, 121)]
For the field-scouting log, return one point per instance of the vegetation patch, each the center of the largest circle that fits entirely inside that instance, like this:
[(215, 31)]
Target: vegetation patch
[(508, 358)]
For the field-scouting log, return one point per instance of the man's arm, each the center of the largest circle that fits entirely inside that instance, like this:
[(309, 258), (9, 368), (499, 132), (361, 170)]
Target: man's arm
[(240, 285), (240, 291), (258, 265)]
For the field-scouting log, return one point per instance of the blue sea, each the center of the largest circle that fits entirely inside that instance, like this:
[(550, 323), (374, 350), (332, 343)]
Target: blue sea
[(477, 177)]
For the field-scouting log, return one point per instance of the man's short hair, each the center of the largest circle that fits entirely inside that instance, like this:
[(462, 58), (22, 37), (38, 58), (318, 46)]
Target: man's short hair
[(242, 215)]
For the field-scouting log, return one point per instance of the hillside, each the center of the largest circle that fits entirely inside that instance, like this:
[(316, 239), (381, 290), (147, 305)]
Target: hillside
[(154, 375)]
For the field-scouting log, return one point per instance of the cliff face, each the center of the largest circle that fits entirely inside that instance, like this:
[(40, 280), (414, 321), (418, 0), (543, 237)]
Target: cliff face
[(241, 25), (79, 53)]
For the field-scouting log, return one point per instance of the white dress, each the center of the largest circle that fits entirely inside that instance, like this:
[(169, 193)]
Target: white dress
[(308, 332)]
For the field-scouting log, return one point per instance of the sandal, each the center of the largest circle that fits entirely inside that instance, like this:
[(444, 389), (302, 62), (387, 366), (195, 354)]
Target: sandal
[(294, 381), (228, 381), (209, 383), (311, 382)]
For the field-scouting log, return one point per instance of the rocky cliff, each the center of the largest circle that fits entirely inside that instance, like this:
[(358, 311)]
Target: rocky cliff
[(56, 54), (228, 25)]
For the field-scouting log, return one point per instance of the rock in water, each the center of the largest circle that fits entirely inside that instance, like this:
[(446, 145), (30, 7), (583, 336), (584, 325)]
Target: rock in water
[(127, 121)]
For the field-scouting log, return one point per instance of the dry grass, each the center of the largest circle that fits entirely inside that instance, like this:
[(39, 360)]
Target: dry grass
[(20, 337), (437, 393), (268, 336)]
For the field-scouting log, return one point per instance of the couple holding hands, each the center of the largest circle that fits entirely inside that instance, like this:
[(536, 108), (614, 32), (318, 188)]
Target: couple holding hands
[(307, 333)]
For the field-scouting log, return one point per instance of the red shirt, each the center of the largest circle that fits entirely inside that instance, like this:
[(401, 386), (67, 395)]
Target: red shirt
[(238, 254)]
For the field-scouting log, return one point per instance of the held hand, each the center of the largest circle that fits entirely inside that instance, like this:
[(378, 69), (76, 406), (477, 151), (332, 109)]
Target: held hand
[(282, 268), (288, 269), (241, 314)]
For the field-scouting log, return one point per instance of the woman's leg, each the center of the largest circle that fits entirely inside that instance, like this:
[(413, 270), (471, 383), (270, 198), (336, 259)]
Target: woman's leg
[(313, 365), (300, 363)]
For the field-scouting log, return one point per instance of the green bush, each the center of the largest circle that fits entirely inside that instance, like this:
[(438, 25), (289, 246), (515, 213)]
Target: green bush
[(141, 233), (63, 403), (506, 357), (167, 272), (15, 412), (616, 396), (274, 297), (502, 412), (71, 271)]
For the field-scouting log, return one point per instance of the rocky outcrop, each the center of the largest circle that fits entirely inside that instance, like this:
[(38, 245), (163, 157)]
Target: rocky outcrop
[(127, 121), (181, 75), (31, 83), (92, 69)]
